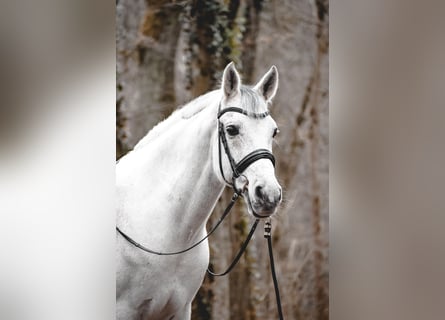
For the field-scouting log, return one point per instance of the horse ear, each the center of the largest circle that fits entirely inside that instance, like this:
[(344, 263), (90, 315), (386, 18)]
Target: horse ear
[(268, 84), (231, 81)]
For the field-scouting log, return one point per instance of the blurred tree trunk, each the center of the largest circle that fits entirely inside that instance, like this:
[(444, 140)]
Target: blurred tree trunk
[(147, 36), (169, 52)]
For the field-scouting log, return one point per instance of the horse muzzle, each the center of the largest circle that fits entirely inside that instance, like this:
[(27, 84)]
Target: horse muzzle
[(264, 200)]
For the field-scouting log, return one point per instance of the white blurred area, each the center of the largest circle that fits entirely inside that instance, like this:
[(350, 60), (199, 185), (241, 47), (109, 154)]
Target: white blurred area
[(57, 150)]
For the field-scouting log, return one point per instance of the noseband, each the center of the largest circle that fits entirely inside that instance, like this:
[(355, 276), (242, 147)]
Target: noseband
[(244, 163)]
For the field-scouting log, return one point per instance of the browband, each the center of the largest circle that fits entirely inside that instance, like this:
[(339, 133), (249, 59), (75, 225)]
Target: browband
[(242, 111)]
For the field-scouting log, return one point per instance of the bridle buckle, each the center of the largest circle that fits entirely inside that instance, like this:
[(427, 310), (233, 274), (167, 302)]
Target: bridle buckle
[(244, 181)]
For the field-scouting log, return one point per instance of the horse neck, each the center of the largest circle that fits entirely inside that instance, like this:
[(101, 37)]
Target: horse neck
[(191, 185)]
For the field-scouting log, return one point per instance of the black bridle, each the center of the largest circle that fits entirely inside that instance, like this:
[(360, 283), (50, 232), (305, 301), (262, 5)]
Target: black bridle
[(244, 163), (237, 172)]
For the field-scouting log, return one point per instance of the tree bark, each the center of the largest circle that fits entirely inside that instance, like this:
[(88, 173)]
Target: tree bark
[(147, 36)]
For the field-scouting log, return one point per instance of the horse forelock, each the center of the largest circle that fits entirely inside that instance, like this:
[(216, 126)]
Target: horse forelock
[(251, 101)]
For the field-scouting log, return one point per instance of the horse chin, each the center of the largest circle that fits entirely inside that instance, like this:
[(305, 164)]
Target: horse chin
[(257, 212)]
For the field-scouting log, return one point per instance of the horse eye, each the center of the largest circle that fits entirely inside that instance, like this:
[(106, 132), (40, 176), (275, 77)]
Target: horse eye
[(275, 132), (232, 130)]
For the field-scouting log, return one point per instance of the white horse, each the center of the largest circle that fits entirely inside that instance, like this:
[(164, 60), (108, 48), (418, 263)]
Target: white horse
[(168, 186)]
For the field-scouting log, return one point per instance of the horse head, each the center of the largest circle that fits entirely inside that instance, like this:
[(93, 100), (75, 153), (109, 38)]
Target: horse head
[(245, 134)]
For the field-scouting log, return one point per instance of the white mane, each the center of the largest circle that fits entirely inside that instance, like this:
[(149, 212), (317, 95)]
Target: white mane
[(182, 113)]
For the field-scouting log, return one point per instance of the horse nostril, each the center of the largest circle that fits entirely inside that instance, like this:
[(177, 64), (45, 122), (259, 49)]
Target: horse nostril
[(259, 192)]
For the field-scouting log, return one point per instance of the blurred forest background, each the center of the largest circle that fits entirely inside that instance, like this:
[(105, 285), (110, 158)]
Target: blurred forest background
[(169, 52)]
